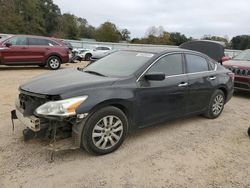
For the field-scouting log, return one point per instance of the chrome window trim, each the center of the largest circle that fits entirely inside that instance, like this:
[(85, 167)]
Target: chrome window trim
[(215, 69)]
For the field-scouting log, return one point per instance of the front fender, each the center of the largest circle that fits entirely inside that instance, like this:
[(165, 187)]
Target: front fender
[(104, 97)]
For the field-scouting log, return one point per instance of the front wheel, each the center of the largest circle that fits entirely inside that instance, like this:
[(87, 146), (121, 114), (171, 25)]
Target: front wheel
[(87, 57), (105, 131), (54, 63), (216, 105)]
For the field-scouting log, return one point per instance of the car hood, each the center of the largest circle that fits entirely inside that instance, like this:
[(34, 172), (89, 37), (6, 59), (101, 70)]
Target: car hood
[(65, 81), (237, 63)]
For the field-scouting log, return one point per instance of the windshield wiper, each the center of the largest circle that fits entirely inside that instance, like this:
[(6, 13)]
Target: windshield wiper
[(93, 72)]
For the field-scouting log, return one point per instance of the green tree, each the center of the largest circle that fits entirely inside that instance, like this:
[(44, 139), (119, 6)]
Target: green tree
[(10, 18), (108, 32), (69, 27), (125, 35), (85, 30), (177, 38), (241, 42), (50, 14)]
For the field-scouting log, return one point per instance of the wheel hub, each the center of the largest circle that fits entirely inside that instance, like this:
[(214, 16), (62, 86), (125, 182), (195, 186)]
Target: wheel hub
[(107, 132)]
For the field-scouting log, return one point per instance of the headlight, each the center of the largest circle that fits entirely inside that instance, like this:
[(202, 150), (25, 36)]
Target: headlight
[(65, 107)]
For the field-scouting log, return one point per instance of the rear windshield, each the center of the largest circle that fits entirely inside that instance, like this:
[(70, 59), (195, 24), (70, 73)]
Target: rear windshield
[(120, 64)]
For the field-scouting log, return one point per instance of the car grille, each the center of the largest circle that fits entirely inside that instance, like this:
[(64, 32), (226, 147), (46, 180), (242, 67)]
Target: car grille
[(240, 71), (29, 103)]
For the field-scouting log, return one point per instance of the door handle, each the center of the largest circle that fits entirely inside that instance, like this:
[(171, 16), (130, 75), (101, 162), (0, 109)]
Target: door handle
[(212, 77), (183, 84)]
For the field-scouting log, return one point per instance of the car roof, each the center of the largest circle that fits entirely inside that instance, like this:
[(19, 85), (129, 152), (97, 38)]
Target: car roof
[(36, 36), (161, 50)]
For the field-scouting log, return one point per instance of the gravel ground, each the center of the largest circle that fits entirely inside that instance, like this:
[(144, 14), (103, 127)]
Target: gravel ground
[(192, 152)]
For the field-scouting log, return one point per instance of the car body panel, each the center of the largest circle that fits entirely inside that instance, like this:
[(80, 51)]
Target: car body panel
[(144, 102), (241, 69), (32, 54)]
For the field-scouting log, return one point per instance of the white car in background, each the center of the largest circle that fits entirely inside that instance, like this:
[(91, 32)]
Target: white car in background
[(98, 51)]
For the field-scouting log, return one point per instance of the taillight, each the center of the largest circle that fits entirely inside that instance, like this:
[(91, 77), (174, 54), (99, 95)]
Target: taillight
[(231, 75)]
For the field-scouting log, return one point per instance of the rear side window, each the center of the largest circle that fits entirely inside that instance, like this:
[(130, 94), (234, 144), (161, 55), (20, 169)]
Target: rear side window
[(196, 63), (18, 41), (41, 42), (105, 48), (170, 65)]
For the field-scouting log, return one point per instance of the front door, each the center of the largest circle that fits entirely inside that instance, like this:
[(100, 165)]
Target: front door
[(161, 100), (17, 53)]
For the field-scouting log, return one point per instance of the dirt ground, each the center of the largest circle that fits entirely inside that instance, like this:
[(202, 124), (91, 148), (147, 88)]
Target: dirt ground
[(192, 152)]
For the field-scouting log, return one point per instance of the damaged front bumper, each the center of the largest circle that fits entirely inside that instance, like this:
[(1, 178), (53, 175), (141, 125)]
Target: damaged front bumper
[(31, 122), (35, 128)]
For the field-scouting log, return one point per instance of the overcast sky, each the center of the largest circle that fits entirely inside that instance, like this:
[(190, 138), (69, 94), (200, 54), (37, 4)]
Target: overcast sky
[(191, 17)]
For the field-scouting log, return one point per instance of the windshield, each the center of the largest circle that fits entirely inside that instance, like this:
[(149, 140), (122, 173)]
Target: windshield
[(120, 64), (243, 56)]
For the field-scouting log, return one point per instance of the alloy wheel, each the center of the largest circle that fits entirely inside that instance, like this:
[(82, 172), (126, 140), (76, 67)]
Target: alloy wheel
[(107, 132), (218, 105), (54, 63)]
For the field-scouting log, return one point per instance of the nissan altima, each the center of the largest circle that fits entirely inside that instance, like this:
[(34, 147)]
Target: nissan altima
[(127, 90)]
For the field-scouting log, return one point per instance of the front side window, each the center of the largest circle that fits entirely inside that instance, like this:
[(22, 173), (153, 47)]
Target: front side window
[(170, 65), (196, 63), (18, 41)]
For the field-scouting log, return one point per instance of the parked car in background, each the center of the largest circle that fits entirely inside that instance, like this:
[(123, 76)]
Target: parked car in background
[(33, 50), (98, 56), (124, 91), (240, 66), (99, 50), (78, 54), (213, 49)]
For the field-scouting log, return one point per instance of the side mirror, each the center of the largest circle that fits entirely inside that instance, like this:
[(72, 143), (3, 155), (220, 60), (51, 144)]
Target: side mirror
[(8, 44), (155, 76)]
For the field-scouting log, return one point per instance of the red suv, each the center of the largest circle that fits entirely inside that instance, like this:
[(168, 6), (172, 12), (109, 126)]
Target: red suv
[(240, 66), (33, 50)]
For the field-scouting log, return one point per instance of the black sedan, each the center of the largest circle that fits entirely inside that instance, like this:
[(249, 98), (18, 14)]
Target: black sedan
[(125, 91)]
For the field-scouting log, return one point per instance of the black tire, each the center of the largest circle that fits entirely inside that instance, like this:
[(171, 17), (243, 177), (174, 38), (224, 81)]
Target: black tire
[(87, 57), (248, 132), (89, 143), (54, 62), (212, 111)]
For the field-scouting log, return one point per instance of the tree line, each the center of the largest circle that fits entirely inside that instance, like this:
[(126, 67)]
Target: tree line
[(43, 17)]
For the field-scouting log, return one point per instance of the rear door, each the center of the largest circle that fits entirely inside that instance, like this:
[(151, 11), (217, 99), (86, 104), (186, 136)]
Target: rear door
[(161, 100), (17, 53), (202, 81), (39, 48)]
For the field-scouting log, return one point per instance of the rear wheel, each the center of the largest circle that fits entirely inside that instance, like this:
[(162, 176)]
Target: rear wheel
[(105, 131), (87, 57), (216, 105), (54, 63)]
